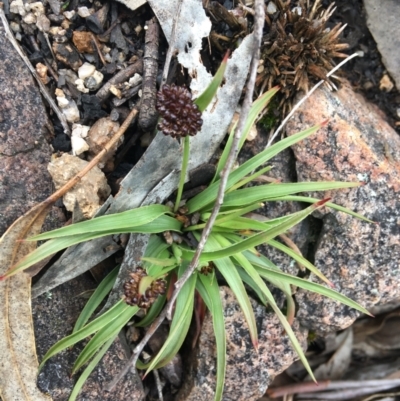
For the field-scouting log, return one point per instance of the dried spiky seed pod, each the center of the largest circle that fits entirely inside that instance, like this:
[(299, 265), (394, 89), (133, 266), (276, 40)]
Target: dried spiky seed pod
[(298, 50), (181, 116), (132, 295)]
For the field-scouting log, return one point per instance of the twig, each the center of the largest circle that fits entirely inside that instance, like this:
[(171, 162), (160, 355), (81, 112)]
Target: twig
[(158, 384), (137, 68), (258, 30), (299, 103), (172, 41), (97, 46), (148, 113), (42, 88)]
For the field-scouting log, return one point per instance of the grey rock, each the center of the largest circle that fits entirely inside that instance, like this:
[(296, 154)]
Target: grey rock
[(383, 21), (248, 372), (55, 314), (360, 258)]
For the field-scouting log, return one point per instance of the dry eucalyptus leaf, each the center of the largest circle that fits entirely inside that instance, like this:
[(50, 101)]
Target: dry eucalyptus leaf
[(164, 154), (338, 363), (18, 360)]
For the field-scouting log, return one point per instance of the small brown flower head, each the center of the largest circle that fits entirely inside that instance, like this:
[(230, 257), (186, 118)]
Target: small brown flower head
[(144, 300), (206, 270), (298, 49), (181, 117)]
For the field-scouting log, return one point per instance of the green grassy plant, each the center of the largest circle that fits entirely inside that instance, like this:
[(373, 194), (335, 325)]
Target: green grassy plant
[(231, 249)]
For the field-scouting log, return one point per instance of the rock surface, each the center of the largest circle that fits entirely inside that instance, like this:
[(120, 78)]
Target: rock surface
[(248, 372), (89, 193), (24, 138), (54, 316), (383, 22), (360, 258)]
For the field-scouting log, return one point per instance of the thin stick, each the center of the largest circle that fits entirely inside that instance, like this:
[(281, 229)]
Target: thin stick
[(172, 41), (298, 104), (258, 30), (42, 88)]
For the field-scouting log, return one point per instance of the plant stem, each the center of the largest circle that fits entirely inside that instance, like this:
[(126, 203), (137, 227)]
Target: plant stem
[(185, 162)]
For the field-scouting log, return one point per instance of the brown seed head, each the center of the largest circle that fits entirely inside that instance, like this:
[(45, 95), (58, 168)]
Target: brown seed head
[(131, 290), (298, 50), (181, 117)]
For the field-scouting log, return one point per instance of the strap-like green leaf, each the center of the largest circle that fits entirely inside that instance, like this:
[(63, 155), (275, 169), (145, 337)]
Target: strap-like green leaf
[(228, 270), (209, 195), (162, 223), (257, 107), (115, 222), (257, 239), (102, 336), (262, 193), (96, 299), (209, 289), (207, 96), (310, 286), (87, 330), (89, 369), (180, 323)]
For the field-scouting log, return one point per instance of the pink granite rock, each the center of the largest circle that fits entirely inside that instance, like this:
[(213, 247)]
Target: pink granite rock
[(248, 372), (360, 258)]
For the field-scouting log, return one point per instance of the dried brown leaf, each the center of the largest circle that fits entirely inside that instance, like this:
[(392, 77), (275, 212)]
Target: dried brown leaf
[(19, 365)]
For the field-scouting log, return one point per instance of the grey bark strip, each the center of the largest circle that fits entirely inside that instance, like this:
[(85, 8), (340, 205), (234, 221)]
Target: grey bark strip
[(148, 112)]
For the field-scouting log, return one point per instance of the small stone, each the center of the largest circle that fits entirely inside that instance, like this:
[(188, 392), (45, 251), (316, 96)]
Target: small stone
[(17, 7), (43, 23), (69, 14), (37, 8), (80, 131), (84, 12), (99, 135), (68, 108), (115, 91), (67, 54), (86, 70), (138, 29), (15, 27), (83, 41), (79, 145), (29, 19), (94, 81), (385, 84), (90, 192), (81, 86), (135, 80), (41, 69)]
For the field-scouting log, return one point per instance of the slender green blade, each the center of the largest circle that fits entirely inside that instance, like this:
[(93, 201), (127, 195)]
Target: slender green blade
[(257, 107), (209, 195), (102, 336), (207, 96), (89, 369), (257, 239), (300, 259), (180, 323), (310, 286), (95, 300), (307, 199), (262, 193), (208, 289), (232, 277), (116, 222), (162, 223), (87, 330)]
